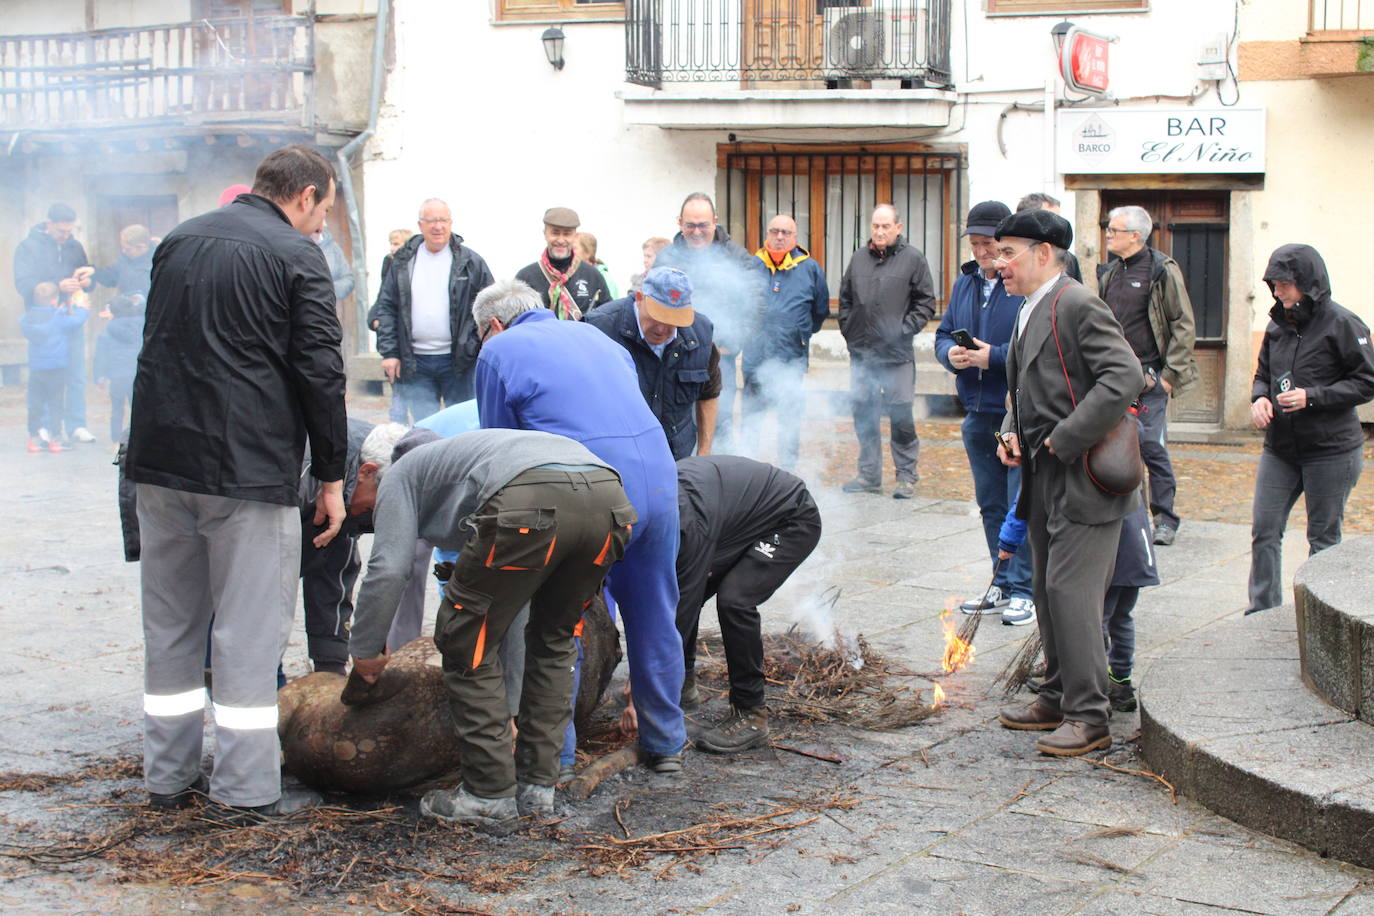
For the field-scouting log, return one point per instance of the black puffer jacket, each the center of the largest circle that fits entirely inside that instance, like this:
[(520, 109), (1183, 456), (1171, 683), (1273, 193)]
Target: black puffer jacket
[(40, 259), (467, 277), (886, 297), (1326, 347), (240, 360)]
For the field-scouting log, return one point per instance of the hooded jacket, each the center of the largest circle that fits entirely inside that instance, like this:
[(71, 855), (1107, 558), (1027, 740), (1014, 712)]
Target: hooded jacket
[(47, 330), (467, 277), (991, 321), (241, 360), (797, 302), (41, 259), (118, 346), (727, 286), (1326, 347), (886, 298), (1171, 317)]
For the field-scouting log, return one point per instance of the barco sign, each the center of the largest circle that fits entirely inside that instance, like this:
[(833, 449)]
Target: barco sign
[(1132, 141)]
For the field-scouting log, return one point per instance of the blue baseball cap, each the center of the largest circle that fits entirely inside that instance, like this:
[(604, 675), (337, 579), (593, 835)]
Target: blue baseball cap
[(667, 297)]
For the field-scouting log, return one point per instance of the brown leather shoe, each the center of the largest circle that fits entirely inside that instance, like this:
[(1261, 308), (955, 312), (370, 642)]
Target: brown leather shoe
[(1034, 717), (1074, 738)]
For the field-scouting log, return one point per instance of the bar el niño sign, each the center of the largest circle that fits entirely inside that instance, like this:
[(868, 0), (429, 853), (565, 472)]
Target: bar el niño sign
[(1147, 140)]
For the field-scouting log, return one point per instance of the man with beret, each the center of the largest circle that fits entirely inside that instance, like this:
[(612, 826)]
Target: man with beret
[(980, 305), (677, 364), (1072, 377), (569, 286)]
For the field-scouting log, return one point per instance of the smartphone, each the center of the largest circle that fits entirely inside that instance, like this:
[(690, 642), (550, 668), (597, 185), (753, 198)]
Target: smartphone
[(964, 339), (1278, 386)]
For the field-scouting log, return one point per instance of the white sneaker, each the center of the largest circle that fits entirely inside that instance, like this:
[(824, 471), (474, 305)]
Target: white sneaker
[(990, 603), (1019, 612), (82, 434), (44, 435)]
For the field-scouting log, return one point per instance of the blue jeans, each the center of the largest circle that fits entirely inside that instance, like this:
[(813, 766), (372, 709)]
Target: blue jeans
[(994, 488), (1118, 629), (433, 382), (75, 411)]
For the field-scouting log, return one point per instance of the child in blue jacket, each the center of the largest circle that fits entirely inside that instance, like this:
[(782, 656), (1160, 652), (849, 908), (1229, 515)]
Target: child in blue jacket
[(46, 326), (1135, 568), (116, 356)]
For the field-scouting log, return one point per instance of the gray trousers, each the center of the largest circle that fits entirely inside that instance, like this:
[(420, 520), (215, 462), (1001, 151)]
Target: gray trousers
[(1326, 482), (873, 388), (1072, 567), (235, 561), (1154, 451)]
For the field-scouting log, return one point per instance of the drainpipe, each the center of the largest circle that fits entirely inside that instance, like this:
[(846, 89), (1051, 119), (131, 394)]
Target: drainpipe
[(360, 292)]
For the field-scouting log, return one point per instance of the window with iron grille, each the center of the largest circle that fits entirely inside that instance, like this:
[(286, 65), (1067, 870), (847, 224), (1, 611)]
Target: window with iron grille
[(831, 192)]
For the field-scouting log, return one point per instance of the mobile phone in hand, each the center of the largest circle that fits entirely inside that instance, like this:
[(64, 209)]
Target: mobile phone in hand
[(1278, 386), (964, 339)]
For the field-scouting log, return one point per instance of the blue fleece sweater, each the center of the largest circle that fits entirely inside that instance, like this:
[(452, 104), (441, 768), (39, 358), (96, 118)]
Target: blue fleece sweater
[(46, 329)]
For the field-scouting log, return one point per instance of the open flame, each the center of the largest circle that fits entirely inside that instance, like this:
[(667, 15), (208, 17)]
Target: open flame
[(939, 697), (958, 652)]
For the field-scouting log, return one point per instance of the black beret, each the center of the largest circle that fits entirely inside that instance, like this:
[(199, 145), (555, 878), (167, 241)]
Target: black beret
[(1040, 225)]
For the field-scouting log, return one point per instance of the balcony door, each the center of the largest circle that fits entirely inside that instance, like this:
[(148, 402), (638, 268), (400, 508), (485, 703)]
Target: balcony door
[(781, 44)]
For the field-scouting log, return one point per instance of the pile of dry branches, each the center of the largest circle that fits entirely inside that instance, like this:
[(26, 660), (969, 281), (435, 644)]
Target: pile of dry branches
[(810, 683)]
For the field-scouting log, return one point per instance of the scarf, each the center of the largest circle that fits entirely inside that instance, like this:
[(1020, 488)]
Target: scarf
[(560, 300)]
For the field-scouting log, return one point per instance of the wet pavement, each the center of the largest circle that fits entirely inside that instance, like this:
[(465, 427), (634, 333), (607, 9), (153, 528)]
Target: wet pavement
[(954, 815)]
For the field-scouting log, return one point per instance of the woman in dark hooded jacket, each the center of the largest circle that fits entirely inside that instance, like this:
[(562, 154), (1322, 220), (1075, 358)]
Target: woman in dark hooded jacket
[(1315, 367)]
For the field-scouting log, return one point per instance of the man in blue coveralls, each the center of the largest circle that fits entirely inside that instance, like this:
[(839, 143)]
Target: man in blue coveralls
[(566, 377)]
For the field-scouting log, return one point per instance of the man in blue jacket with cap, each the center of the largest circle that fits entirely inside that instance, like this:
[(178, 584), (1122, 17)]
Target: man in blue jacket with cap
[(566, 377), (981, 306)]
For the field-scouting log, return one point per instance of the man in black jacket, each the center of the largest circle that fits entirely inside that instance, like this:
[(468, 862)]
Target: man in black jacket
[(425, 332), (886, 297), (240, 363), (569, 286), (746, 527)]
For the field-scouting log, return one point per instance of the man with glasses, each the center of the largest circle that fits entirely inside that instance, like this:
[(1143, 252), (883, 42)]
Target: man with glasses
[(425, 331), (1060, 407), (1144, 288), (727, 287), (886, 297), (775, 359), (980, 306)]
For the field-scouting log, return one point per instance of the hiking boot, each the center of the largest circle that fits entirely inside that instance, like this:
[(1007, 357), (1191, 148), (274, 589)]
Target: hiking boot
[(1019, 612), (859, 485), (905, 489), (82, 434), (992, 602), (291, 801), (1121, 695), (1074, 738), (494, 815), (665, 764), (741, 730), (691, 697), (1165, 534), (532, 800), (173, 801)]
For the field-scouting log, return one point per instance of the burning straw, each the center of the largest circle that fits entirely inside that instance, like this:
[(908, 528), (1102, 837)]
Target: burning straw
[(815, 684)]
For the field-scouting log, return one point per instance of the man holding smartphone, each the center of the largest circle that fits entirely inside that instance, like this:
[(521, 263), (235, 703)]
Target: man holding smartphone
[(972, 343)]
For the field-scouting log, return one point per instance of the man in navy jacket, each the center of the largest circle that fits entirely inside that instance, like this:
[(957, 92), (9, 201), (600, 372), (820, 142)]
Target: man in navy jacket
[(981, 306)]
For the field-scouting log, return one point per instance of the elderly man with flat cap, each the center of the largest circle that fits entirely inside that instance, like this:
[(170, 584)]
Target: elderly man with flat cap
[(569, 286), (1071, 377)]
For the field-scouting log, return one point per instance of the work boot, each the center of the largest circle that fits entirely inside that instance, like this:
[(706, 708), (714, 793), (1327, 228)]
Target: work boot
[(1034, 717), (1121, 694), (291, 801), (1074, 738), (859, 485), (493, 815), (905, 489), (739, 731), (532, 800), (665, 764), (691, 697), (173, 801)]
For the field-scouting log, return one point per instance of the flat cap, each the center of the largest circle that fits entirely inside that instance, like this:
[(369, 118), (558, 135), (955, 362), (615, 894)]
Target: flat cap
[(983, 218), (562, 217), (1040, 225)]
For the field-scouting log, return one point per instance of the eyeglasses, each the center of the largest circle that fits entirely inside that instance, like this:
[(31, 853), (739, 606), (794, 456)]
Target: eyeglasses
[(1008, 254), (782, 232), (436, 221), (696, 227), (1113, 231)]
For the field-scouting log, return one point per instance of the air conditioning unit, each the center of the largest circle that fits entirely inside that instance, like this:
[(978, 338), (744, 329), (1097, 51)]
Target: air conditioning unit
[(882, 41)]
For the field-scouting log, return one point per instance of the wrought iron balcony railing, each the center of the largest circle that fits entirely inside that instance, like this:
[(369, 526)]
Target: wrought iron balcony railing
[(1340, 15), (249, 69), (766, 42)]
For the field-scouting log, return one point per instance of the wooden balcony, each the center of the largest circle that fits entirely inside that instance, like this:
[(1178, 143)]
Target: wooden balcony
[(251, 70)]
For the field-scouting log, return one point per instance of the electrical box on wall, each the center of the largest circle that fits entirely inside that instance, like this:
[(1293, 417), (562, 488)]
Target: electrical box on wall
[(1212, 64)]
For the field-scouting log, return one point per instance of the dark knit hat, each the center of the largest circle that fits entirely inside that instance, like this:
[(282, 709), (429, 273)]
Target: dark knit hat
[(1039, 225), (984, 217)]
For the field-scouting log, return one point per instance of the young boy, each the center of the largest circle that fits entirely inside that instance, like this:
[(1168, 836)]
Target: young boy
[(46, 326), (116, 356), (1135, 568)]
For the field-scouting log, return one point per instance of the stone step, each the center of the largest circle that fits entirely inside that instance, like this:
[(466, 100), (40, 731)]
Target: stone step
[(1225, 717)]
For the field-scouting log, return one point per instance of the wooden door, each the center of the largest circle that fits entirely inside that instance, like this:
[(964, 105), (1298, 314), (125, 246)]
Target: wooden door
[(781, 44)]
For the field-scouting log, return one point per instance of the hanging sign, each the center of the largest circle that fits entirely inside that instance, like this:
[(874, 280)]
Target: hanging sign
[(1083, 61)]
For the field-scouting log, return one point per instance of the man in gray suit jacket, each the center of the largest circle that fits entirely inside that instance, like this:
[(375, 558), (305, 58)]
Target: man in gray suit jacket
[(1073, 525)]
